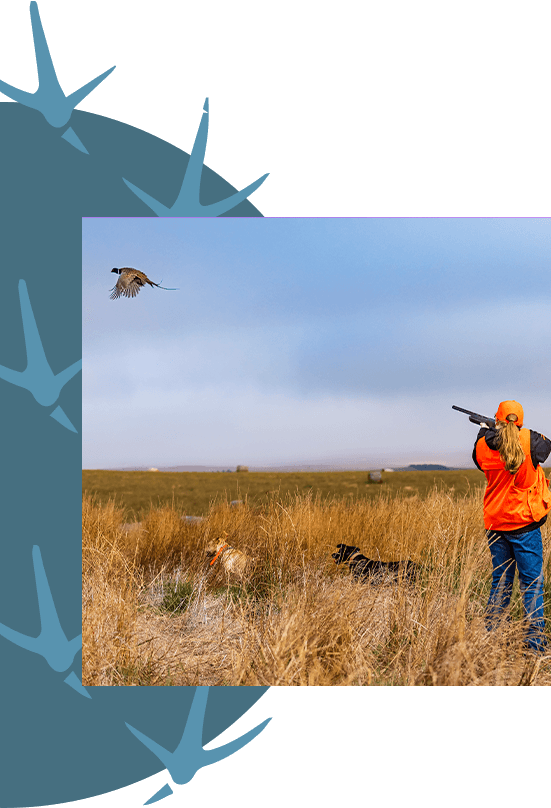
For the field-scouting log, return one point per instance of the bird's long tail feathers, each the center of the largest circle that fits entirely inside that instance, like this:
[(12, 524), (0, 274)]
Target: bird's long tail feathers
[(166, 288)]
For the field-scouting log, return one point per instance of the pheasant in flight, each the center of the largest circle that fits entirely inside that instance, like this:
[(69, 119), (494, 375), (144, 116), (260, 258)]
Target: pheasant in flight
[(131, 281)]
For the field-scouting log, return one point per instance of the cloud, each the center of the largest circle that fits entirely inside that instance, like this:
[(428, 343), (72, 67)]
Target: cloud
[(286, 332), (204, 425), (486, 346)]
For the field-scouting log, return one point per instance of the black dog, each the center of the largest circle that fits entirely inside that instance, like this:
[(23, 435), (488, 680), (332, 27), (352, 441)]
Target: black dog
[(363, 568)]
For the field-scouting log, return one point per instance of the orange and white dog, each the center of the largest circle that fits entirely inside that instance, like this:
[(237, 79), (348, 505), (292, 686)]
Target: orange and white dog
[(234, 563)]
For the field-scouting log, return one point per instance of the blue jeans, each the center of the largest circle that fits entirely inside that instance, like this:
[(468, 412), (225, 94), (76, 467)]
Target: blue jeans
[(509, 552)]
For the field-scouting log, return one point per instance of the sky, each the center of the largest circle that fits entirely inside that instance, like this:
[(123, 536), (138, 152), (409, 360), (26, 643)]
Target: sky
[(310, 341)]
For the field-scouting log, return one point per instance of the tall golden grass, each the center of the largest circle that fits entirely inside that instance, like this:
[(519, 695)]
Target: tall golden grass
[(298, 620)]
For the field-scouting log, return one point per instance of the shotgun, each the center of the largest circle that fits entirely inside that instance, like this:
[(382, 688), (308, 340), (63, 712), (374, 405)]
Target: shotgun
[(475, 417)]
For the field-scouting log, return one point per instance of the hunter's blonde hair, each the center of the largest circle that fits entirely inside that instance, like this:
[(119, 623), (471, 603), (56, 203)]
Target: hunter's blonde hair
[(508, 441)]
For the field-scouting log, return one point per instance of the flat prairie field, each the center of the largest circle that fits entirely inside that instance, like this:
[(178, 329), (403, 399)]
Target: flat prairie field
[(193, 493), (160, 610)]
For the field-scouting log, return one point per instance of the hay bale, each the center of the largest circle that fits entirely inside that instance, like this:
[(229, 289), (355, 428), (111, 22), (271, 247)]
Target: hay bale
[(375, 477), (242, 468)]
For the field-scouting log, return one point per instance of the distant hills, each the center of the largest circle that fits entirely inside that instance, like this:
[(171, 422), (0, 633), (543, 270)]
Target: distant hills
[(426, 467), (294, 468)]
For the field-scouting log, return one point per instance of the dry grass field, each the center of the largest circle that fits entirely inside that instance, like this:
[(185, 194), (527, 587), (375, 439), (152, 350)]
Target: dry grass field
[(156, 613), (193, 493)]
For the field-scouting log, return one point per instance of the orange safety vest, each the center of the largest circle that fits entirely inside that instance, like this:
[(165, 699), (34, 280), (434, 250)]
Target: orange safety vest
[(512, 501)]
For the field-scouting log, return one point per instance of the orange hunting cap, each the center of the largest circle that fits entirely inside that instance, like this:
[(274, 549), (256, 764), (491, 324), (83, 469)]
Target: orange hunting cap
[(510, 408)]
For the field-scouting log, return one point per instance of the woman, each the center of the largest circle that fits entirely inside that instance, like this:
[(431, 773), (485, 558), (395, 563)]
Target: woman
[(516, 503)]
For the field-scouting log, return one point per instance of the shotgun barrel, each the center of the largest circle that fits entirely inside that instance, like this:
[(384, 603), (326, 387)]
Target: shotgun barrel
[(475, 417)]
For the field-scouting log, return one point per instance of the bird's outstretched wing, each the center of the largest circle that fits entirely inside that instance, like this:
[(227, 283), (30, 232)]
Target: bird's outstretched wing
[(128, 284), (131, 281)]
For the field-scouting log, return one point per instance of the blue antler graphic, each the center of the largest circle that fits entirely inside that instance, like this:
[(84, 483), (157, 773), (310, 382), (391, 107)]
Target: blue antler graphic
[(52, 642), (38, 377), (49, 99), (189, 756), (187, 203)]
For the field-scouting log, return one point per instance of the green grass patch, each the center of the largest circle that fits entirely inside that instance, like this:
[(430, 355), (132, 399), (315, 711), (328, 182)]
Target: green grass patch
[(177, 597)]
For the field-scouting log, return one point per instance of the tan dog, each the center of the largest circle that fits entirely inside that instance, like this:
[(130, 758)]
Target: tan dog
[(234, 563)]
